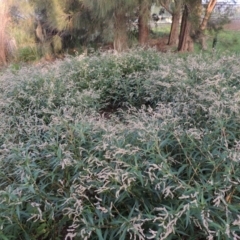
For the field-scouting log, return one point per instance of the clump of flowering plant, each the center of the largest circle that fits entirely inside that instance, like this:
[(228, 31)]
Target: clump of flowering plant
[(164, 164)]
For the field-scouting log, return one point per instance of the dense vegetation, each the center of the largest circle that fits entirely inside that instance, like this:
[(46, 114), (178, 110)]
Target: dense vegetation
[(133, 146), (34, 30)]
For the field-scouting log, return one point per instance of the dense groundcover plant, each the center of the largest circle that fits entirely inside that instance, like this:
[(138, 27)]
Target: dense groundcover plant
[(133, 146)]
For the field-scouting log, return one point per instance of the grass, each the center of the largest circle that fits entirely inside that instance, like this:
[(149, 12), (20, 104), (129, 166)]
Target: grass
[(161, 30), (227, 40), (163, 165)]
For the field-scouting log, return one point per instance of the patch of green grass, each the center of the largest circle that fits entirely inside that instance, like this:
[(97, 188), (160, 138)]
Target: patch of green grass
[(227, 41), (28, 54), (160, 30)]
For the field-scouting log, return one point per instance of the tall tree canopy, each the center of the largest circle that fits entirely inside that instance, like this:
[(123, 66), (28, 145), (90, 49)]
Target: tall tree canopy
[(118, 14), (50, 26)]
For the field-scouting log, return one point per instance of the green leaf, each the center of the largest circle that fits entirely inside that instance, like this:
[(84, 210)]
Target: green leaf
[(99, 233)]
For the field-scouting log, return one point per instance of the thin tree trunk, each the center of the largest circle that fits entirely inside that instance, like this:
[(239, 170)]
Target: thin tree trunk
[(190, 24), (120, 32), (3, 36), (185, 40), (211, 5), (174, 32), (203, 25), (143, 28), (173, 36), (40, 32)]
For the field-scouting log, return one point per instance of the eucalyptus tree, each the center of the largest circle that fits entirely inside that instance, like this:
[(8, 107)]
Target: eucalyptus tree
[(115, 13), (191, 17), (176, 15), (55, 23), (203, 25), (3, 19), (194, 23), (143, 19), (175, 8), (24, 28), (65, 25), (8, 45), (209, 9)]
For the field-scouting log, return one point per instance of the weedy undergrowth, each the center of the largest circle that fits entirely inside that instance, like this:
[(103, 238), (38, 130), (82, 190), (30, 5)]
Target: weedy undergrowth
[(164, 165)]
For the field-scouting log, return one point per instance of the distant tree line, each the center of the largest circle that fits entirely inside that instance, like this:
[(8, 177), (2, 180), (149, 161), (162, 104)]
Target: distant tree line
[(51, 27)]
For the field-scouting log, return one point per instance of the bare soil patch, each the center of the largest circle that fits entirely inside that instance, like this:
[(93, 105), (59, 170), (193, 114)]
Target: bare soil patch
[(160, 44), (234, 25)]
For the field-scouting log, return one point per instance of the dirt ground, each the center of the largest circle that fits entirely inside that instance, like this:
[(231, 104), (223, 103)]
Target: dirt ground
[(234, 25)]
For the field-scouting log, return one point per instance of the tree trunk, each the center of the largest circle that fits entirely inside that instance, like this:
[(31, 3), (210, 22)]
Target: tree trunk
[(176, 15), (143, 28), (203, 25), (185, 40), (3, 35), (40, 34), (173, 36), (120, 32), (190, 24), (210, 7)]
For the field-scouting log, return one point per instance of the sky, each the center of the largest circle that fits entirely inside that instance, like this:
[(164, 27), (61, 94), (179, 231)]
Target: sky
[(237, 1)]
